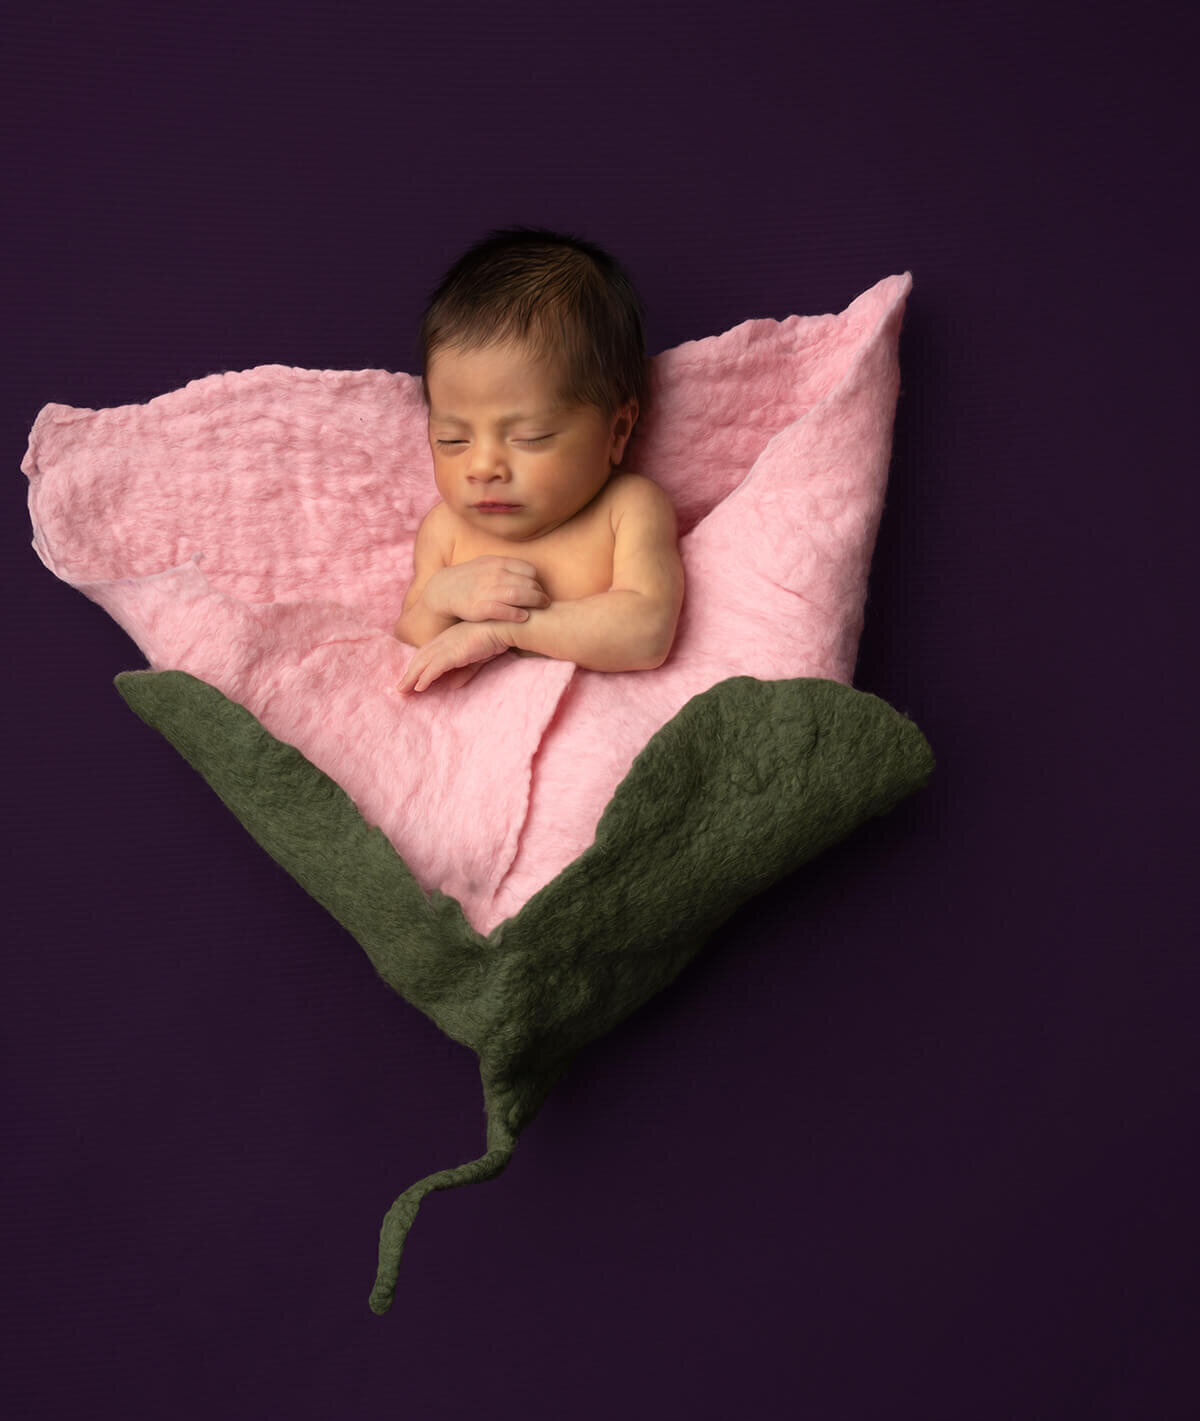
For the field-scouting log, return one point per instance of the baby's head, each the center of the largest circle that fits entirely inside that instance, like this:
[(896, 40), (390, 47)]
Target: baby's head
[(560, 297), (534, 372)]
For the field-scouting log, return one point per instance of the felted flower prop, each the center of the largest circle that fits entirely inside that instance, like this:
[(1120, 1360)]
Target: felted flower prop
[(253, 533)]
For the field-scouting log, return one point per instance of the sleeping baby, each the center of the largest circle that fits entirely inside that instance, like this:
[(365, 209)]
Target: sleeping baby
[(535, 370)]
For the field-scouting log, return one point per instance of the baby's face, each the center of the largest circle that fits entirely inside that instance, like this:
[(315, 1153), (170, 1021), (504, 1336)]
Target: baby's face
[(509, 457)]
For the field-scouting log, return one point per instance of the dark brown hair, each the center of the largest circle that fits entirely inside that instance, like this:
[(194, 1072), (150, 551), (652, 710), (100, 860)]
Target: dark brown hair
[(564, 297)]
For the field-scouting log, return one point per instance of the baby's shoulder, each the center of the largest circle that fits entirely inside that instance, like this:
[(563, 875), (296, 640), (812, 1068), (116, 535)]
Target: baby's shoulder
[(437, 525), (634, 495), (435, 535)]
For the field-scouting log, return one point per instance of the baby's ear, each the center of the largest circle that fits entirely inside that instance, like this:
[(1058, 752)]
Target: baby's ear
[(623, 423)]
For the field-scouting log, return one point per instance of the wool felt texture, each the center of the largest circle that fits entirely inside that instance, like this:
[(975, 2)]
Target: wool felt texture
[(748, 781), (253, 533), (255, 529)]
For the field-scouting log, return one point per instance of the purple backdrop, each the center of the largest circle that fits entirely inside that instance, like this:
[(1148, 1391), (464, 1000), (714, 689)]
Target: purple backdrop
[(915, 1135)]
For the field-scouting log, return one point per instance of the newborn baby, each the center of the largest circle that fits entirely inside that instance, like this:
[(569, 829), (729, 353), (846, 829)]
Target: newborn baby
[(535, 366)]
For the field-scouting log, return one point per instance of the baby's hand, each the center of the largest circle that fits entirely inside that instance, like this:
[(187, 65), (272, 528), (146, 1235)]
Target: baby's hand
[(486, 589), (461, 650)]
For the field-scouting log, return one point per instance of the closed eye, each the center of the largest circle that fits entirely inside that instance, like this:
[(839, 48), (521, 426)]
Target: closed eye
[(447, 443), (540, 439)]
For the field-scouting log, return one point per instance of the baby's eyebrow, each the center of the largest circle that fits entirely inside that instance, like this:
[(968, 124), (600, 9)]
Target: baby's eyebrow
[(507, 419)]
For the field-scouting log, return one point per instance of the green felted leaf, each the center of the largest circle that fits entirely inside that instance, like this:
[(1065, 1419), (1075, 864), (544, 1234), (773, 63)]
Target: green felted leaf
[(748, 781)]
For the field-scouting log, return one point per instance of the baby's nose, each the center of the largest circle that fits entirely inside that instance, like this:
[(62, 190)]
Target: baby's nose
[(487, 466)]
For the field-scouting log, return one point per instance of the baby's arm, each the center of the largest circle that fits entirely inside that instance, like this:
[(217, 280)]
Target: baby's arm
[(628, 628), (484, 589), (631, 626), (418, 623)]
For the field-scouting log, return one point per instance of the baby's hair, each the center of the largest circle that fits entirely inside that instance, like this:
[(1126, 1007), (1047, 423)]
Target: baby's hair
[(564, 297)]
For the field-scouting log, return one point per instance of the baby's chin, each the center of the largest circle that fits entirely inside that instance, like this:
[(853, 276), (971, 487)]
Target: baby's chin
[(519, 526)]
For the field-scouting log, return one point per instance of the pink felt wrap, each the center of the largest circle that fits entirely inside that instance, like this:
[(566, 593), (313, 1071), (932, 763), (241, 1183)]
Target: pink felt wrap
[(255, 529)]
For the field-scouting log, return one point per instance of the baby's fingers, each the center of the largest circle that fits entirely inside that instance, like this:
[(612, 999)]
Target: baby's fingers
[(425, 667), (459, 677), (527, 593), (409, 679), (503, 612), (508, 604), (509, 612)]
